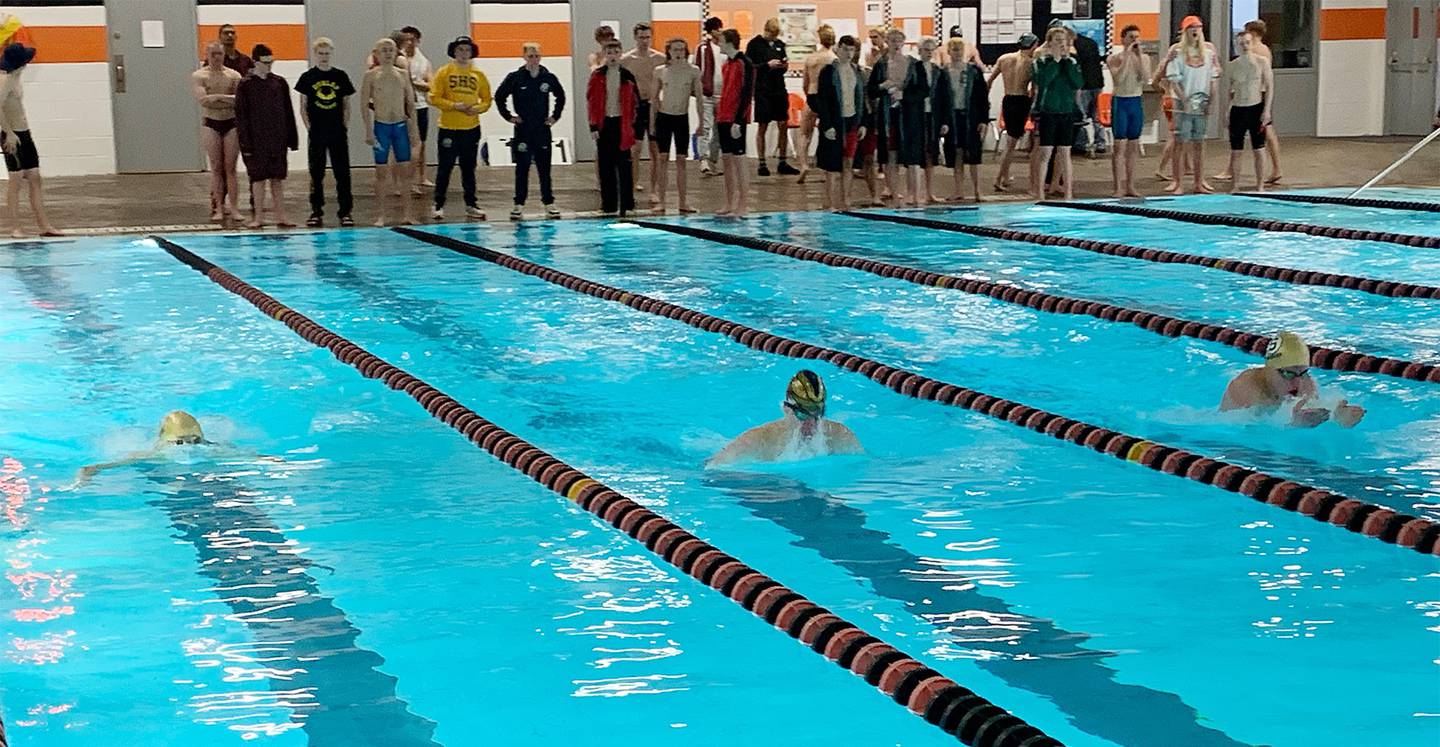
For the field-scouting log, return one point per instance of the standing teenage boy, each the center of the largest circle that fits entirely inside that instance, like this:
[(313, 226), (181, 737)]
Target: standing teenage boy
[(532, 87), (326, 113), (462, 93), (611, 100)]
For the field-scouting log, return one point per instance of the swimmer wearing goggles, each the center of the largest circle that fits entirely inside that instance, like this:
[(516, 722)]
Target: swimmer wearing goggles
[(1285, 379), (178, 428), (803, 429)]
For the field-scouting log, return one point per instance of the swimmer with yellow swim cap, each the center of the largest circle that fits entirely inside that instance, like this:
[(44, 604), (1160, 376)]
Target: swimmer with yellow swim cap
[(177, 428), (803, 432), (1285, 378)]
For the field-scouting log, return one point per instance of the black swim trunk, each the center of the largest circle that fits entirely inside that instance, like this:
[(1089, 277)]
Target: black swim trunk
[(25, 156), (1057, 130), (1014, 113), (642, 121), (1246, 120), (731, 146), (673, 128), (222, 127), (422, 121), (812, 100), (772, 106)]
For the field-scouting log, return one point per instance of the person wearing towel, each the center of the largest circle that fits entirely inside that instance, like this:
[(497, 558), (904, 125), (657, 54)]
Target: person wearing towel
[(1284, 379), (801, 434)]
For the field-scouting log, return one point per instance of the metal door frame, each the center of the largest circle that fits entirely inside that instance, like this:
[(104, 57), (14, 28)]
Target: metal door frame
[(1390, 126), (113, 71)]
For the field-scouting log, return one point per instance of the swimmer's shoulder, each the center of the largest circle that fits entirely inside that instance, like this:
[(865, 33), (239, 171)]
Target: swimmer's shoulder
[(1245, 391), (841, 440)]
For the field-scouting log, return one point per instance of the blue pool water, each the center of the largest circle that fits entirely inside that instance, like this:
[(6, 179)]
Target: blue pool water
[(389, 582)]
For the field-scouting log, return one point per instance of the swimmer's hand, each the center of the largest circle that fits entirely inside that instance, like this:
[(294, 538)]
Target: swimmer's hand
[(1309, 417), (1347, 415)]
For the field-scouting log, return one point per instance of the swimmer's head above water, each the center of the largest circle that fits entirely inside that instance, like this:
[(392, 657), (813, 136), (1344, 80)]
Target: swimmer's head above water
[(805, 396), (1288, 359), (180, 427)]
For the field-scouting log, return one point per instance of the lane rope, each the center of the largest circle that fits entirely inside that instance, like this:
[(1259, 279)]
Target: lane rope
[(1169, 326), (909, 682), (1260, 224), (1269, 272), (1372, 520), (1365, 202)]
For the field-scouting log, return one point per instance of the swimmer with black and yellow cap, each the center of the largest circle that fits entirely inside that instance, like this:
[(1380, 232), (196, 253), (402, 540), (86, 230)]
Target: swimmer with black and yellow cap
[(802, 433), (1285, 378), (177, 428)]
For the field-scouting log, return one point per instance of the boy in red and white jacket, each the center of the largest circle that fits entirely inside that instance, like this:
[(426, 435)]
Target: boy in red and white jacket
[(611, 99), (732, 114)]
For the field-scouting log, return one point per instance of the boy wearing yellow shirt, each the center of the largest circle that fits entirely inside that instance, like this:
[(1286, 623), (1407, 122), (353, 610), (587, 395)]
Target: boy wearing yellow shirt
[(461, 93)]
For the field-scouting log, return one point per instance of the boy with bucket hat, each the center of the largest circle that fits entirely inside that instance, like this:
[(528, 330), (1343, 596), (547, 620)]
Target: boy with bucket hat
[(462, 93), (21, 158)]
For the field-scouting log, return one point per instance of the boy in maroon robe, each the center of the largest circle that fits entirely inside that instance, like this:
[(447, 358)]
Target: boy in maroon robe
[(265, 122)]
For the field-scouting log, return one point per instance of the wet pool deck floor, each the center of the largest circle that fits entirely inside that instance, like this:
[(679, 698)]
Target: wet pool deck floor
[(103, 204)]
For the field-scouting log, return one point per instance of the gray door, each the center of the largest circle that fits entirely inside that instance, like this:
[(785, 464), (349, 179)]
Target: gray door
[(355, 26), (585, 17), (157, 120), (1410, 70)]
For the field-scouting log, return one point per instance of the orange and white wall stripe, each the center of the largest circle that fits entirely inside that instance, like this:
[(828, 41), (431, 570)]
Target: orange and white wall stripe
[(1351, 99), (67, 88)]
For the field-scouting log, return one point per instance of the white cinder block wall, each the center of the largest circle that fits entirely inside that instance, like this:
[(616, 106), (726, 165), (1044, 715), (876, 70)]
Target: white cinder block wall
[(68, 103)]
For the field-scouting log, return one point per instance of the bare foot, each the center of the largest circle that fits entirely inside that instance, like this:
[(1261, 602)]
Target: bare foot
[(1133, 193), (380, 222), (726, 213), (409, 221), (17, 234), (1204, 189), (1162, 176), (253, 225), (284, 223), (1119, 194), (1223, 176), (217, 216), (1175, 189), (1259, 186), (1273, 180), (686, 209)]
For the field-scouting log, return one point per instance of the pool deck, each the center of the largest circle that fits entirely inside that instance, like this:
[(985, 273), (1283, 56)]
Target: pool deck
[(134, 203)]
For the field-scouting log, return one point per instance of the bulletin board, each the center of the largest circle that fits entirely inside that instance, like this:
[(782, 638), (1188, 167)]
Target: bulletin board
[(1003, 21), (748, 17)]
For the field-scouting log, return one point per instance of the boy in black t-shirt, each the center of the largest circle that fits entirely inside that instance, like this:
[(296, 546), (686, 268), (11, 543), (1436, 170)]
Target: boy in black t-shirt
[(772, 103), (325, 113)]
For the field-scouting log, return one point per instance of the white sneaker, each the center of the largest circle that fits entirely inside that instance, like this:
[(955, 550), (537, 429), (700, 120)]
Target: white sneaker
[(517, 213), (475, 212), (552, 212), (705, 167), (437, 214)]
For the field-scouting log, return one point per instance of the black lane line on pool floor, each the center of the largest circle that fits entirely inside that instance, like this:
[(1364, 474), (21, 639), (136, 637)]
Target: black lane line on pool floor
[(909, 682), (346, 699), (1361, 202), (1418, 533), (1269, 272), (1169, 326), (1259, 224)]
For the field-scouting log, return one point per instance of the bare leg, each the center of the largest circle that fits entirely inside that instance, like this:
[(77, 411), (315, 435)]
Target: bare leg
[(930, 184), (1259, 171), (915, 182), (1167, 157), (215, 154), (257, 196), (782, 139), (1040, 171), (892, 181), (1002, 179), (872, 182), (731, 169), (402, 175), (1272, 146), (420, 168), (1201, 185), (807, 131), (680, 186), (975, 181), (12, 205), (1117, 168), (382, 179), (277, 197), (827, 202), (1132, 148), (657, 197), (232, 173), (1233, 170), (958, 175), (37, 203), (741, 198), (1177, 160), (1065, 172)]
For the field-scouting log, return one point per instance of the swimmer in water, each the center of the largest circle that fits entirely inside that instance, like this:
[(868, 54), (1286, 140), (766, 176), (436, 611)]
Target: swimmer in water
[(1284, 378), (178, 428), (803, 431)]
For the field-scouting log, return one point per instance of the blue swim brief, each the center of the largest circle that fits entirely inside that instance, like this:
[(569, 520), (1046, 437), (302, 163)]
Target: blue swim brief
[(392, 136), (1126, 117)]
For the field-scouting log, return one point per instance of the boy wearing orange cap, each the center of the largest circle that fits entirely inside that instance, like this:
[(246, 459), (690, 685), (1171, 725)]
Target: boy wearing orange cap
[(1191, 68)]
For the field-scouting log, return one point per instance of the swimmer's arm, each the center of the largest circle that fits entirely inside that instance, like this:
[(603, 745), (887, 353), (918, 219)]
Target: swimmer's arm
[(747, 446), (367, 95), (1239, 395), (83, 476)]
